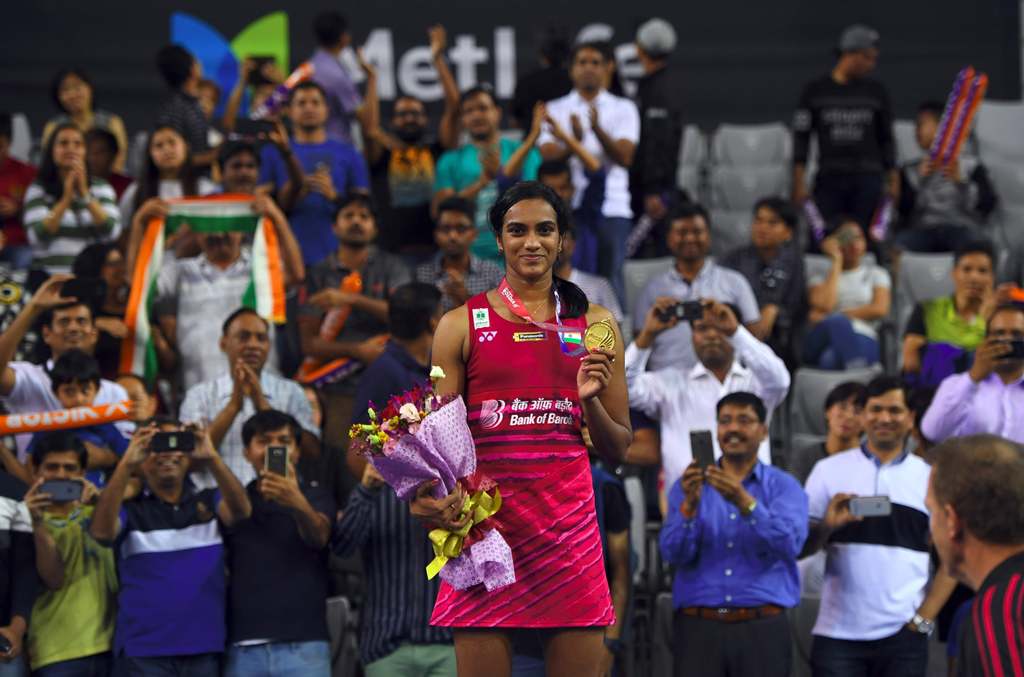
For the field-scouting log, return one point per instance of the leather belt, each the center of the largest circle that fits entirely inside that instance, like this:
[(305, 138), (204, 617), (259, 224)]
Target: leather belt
[(732, 614)]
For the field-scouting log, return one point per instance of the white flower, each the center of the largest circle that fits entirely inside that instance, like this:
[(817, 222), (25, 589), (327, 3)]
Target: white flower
[(436, 373), (409, 413)]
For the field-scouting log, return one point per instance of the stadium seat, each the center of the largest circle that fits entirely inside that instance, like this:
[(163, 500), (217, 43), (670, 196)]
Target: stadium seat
[(638, 272), (693, 151), (907, 149), (342, 631), (998, 130), (752, 145), (738, 189), (1008, 181), (808, 392), (637, 520), (690, 179), (729, 229), (21, 138), (921, 277)]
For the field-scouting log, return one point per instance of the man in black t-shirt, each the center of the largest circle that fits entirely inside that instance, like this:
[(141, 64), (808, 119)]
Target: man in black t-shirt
[(851, 117), (402, 161), (277, 622), (976, 501)]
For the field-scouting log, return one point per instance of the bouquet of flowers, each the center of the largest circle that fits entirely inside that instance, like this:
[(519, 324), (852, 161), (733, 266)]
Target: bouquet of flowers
[(418, 437)]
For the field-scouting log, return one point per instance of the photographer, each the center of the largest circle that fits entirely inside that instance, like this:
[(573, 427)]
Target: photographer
[(169, 551), (684, 399), (280, 547), (78, 574), (988, 398)]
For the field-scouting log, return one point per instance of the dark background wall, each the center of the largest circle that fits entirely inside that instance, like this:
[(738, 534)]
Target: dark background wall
[(743, 60)]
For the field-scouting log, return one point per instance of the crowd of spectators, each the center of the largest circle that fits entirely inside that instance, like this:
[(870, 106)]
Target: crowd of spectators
[(199, 560)]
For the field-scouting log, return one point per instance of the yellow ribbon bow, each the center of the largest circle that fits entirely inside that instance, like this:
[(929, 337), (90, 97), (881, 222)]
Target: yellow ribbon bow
[(448, 544)]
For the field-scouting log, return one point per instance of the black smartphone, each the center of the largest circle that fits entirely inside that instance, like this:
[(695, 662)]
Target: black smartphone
[(870, 506), (684, 311), (256, 77), (1016, 350), (5, 645), (277, 460), (253, 129), (62, 491), (703, 448), (88, 290), (181, 440)]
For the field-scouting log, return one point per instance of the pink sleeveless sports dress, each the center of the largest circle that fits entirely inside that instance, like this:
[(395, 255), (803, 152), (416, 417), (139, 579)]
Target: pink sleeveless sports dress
[(525, 416)]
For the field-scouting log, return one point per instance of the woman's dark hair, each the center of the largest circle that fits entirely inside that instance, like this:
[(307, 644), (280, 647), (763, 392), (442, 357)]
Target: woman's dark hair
[(574, 301), (58, 79), (49, 176), (90, 261), (149, 177), (410, 309)]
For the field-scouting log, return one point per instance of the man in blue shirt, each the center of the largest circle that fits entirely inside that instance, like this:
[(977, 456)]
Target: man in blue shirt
[(331, 169), (733, 533)]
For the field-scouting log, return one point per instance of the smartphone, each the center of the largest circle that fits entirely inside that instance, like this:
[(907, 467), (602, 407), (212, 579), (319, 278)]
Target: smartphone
[(253, 129), (5, 645), (182, 440), (277, 460), (684, 311), (1016, 350), (62, 491), (89, 290), (703, 448), (870, 506)]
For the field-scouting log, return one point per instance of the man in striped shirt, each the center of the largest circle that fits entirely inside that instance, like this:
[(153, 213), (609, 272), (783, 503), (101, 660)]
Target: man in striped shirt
[(976, 501)]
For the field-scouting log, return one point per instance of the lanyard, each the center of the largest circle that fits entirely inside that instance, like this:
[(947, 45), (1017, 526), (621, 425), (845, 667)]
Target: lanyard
[(566, 335)]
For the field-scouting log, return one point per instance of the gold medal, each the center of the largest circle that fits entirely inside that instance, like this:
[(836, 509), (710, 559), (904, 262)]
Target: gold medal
[(599, 335)]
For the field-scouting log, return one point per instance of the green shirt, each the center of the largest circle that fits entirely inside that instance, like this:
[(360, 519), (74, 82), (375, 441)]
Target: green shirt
[(459, 168), (938, 321), (78, 619)]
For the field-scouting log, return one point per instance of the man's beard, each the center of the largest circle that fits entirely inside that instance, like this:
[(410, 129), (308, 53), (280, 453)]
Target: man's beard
[(410, 135)]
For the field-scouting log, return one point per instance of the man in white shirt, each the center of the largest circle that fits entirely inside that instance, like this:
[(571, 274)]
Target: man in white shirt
[(67, 323), (875, 615), (730, 359), (195, 295), (225, 403), (607, 127)]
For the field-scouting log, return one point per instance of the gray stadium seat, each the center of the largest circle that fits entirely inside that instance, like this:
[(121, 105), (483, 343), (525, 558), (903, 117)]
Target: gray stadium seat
[(808, 392), (1008, 181), (729, 229), (998, 130), (921, 277), (638, 272), (693, 151), (637, 520), (738, 189), (341, 629), (691, 180), (21, 138), (752, 145), (907, 149)]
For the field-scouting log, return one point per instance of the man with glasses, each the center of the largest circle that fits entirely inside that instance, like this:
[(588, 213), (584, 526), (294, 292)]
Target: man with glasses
[(457, 272)]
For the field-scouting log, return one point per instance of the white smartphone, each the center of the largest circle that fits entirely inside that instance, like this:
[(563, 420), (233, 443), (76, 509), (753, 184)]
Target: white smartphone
[(870, 506)]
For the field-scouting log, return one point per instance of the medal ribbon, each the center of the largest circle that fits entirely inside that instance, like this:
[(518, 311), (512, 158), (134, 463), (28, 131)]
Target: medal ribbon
[(518, 308)]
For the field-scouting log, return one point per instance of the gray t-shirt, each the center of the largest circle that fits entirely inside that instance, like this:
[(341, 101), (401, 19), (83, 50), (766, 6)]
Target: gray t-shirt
[(857, 288)]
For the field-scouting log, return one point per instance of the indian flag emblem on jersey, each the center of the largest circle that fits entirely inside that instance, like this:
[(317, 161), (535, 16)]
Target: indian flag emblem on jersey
[(574, 337)]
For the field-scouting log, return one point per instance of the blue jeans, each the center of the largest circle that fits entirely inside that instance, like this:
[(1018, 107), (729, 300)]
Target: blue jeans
[(97, 665), (904, 654), (279, 659), (833, 344), (611, 251), (14, 668), (200, 665)]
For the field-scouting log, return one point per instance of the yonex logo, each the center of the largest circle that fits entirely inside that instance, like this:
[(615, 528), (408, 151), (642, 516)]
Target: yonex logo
[(487, 336)]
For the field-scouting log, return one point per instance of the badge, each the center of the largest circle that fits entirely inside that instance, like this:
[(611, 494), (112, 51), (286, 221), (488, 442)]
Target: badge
[(599, 335), (528, 336), (481, 318)]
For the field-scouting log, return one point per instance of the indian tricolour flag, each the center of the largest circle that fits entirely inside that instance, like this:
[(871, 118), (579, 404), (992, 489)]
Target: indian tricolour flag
[(215, 214)]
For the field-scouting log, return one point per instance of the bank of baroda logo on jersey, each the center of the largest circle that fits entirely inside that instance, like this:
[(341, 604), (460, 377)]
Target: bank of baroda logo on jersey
[(491, 413)]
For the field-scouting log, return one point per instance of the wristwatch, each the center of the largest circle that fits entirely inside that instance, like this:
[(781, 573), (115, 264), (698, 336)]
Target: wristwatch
[(921, 625), (747, 511)]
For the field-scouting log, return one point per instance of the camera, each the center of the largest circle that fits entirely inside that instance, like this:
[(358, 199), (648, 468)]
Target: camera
[(684, 311)]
